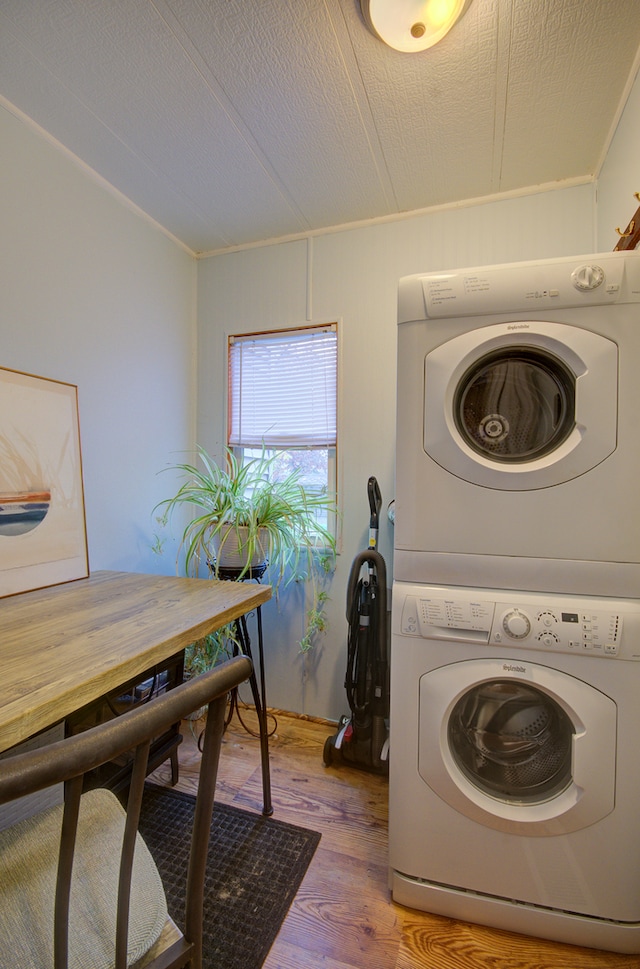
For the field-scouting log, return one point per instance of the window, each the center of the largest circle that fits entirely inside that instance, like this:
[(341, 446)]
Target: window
[(282, 396)]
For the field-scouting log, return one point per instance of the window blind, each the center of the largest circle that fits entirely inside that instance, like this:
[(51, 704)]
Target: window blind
[(283, 388)]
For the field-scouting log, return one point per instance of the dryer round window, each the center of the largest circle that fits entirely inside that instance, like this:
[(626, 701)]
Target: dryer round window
[(520, 407), (516, 404)]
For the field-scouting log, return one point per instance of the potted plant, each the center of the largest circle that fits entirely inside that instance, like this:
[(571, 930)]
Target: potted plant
[(266, 520)]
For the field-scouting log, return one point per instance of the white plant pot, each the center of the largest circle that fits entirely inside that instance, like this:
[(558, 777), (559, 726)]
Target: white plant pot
[(229, 548)]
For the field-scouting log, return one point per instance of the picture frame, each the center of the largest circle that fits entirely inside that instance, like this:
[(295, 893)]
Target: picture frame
[(43, 539)]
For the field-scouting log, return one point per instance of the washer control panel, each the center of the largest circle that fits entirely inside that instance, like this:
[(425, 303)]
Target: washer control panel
[(591, 627), (591, 632)]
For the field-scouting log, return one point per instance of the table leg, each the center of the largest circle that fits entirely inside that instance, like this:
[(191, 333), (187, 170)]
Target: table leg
[(259, 699)]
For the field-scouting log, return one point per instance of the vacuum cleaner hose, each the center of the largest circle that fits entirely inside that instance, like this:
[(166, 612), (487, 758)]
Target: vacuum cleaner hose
[(375, 560)]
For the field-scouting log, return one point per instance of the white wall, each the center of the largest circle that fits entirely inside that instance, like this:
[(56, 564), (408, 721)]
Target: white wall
[(352, 276), (93, 295)]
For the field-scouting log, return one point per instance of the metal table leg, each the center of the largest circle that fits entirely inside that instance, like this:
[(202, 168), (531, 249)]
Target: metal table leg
[(259, 699)]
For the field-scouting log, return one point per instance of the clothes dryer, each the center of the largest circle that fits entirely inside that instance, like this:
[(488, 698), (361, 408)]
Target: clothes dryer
[(518, 426), (514, 787)]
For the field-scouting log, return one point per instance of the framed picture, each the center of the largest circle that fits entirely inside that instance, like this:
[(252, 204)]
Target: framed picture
[(43, 539)]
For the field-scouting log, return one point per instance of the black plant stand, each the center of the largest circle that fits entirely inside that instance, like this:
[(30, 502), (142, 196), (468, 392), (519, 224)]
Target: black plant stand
[(258, 692)]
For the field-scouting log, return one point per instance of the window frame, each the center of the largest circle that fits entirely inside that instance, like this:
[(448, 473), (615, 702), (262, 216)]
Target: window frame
[(333, 480)]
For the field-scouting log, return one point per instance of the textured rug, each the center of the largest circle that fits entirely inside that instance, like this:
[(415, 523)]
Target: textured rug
[(255, 868)]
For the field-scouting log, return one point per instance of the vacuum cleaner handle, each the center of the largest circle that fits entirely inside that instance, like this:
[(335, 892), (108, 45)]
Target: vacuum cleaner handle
[(375, 503)]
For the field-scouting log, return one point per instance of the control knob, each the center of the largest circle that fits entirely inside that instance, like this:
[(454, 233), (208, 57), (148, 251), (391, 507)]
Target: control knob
[(548, 639), (586, 278), (516, 624)]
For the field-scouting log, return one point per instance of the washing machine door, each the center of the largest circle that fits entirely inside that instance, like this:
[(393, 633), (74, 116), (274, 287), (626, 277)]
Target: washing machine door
[(519, 406), (518, 747)]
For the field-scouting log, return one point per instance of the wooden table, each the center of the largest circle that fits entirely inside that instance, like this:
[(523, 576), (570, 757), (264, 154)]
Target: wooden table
[(67, 645)]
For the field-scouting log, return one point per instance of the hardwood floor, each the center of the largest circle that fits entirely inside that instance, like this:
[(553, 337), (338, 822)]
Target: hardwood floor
[(342, 917)]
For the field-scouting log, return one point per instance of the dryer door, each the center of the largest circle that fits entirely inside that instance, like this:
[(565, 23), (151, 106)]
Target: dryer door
[(518, 747), (519, 406)]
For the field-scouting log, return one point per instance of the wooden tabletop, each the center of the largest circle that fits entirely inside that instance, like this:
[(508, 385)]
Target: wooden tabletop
[(64, 646)]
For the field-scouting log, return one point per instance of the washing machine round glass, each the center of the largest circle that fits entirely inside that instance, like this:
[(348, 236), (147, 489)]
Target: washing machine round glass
[(511, 740), (516, 404), (513, 715)]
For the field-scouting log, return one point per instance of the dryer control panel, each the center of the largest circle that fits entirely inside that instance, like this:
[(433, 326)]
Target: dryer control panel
[(556, 624), (596, 279)]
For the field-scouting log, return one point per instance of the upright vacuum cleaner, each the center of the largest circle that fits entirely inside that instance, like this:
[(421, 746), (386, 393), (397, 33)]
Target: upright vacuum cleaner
[(362, 739)]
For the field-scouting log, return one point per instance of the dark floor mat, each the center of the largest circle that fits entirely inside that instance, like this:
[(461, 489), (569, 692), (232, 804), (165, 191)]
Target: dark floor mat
[(255, 868)]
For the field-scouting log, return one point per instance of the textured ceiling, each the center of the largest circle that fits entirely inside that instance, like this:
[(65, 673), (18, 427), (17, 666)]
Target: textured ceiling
[(234, 121)]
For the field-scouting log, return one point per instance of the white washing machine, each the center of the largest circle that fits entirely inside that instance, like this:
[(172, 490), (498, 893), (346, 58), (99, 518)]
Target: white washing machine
[(514, 781), (518, 426)]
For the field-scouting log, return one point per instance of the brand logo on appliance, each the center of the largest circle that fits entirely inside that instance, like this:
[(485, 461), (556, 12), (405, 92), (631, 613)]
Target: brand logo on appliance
[(518, 326), (510, 668)]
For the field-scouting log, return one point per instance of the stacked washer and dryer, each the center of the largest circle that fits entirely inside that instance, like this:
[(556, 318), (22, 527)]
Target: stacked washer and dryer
[(515, 654)]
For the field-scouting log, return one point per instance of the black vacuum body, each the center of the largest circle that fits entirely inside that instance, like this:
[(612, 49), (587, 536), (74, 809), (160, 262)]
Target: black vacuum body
[(362, 739)]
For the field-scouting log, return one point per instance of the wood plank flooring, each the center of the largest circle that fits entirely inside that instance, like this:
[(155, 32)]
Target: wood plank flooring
[(343, 917)]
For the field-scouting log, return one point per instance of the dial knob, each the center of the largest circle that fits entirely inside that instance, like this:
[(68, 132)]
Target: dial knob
[(548, 639), (516, 624), (586, 278)]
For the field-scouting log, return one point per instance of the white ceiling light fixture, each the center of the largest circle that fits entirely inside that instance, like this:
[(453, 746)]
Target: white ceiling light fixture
[(412, 25)]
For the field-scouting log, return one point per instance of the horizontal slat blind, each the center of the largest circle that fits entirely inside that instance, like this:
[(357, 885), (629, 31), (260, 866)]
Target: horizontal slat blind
[(283, 388)]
